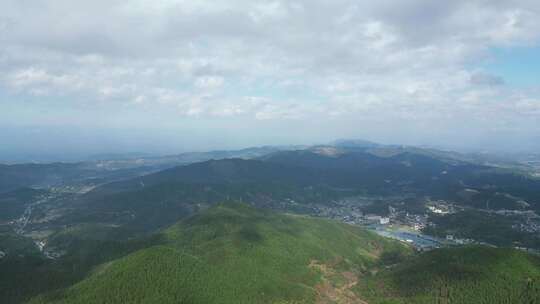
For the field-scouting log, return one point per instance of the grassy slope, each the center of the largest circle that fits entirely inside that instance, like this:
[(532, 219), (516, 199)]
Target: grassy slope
[(230, 254), (458, 275)]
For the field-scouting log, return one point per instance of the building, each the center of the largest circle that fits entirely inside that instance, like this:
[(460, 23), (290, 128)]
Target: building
[(437, 210), (375, 218), (418, 226)]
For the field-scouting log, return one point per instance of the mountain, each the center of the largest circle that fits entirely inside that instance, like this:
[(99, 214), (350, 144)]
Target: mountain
[(160, 199), (354, 143), (313, 176), (118, 156), (115, 162), (409, 171), (520, 162), (101, 169), (136, 233), (232, 253), (457, 275), (361, 160)]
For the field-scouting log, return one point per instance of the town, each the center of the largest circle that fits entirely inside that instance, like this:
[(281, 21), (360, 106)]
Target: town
[(394, 219)]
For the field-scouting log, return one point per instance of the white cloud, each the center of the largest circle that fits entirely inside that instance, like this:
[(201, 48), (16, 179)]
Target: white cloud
[(41, 81), (209, 82), (414, 61)]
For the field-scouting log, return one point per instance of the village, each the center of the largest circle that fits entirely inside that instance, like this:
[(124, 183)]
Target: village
[(409, 227), (396, 224)]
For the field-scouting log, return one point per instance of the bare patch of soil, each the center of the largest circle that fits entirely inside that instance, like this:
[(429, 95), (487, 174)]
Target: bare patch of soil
[(336, 287)]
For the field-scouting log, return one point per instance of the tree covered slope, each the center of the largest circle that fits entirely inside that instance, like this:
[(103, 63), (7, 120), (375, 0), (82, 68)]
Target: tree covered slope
[(232, 253), (479, 275), (235, 254), (154, 201)]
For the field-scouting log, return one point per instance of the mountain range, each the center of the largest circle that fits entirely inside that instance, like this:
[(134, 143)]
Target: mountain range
[(251, 226)]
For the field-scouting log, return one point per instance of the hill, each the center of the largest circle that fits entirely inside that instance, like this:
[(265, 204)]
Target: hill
[(417, 171), (319, 175), (458, 275), (232, 253), (157, 200), (236, 254)]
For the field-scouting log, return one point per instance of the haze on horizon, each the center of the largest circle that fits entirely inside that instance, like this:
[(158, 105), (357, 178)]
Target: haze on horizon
[(79, 78)]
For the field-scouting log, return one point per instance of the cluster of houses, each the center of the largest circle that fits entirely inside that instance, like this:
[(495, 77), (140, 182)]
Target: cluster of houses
[(530, 221), (441, 207), (351, 213), (459, 241)]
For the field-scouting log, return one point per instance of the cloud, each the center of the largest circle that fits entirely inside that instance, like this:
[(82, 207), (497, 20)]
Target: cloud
[(486, 79), (209, 82), (413, 62), (39, 81)]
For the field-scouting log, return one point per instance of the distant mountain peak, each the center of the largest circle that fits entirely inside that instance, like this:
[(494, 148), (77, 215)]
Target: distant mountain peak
[(329, 151), (355, 143)]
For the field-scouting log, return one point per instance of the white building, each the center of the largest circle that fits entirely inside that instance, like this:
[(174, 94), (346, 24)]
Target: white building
[(437, 210), (371, 217)]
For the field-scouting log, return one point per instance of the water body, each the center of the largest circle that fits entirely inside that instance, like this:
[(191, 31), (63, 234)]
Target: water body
[(416, 239)]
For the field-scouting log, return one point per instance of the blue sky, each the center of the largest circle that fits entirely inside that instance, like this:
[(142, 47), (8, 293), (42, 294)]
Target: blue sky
[(519, 66)]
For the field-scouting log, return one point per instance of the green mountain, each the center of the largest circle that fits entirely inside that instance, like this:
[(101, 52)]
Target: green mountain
[(416, 171), (318, 175), (158, 200), (232, 253), (115, 243), (106, 168), (236, 254), (458, 275)]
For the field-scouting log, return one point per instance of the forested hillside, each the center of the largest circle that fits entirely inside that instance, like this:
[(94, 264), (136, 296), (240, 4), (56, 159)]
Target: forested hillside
[(233, 253), (462, 275), (236, 254)]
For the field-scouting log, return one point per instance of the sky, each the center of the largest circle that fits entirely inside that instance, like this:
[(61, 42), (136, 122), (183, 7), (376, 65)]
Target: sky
[(86, 77)]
